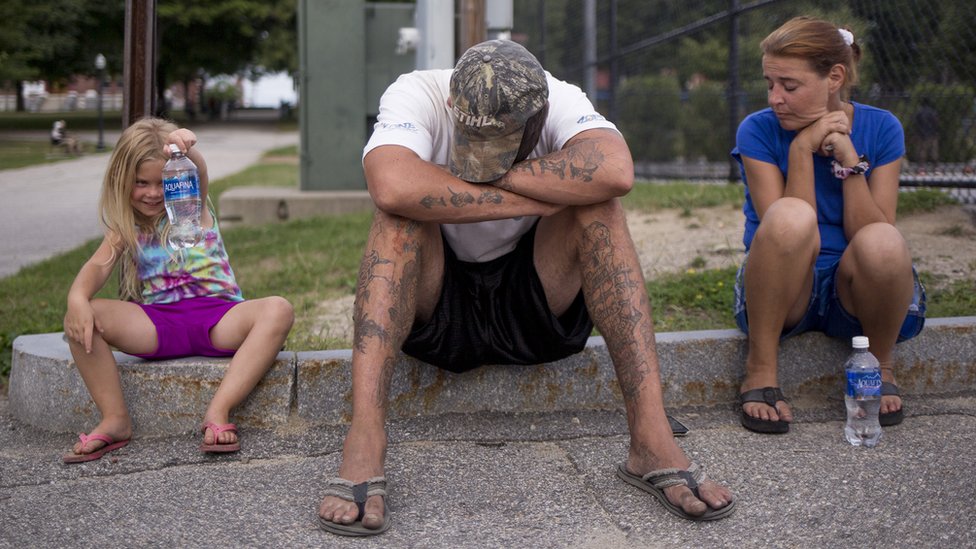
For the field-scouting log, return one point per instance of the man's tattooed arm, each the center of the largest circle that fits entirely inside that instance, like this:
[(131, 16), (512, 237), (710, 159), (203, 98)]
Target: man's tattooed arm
[(593, 167), (460, 200)]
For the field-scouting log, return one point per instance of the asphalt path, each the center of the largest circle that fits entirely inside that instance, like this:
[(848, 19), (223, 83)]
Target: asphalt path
[(532, 480), (52, 208)]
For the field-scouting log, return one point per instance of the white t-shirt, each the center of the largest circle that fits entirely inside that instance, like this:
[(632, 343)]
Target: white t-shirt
[(414, 114)]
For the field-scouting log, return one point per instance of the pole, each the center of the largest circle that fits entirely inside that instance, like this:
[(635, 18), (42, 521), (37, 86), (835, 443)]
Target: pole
[(733, 99), (100, 67), (473, 25), (101, 119), (589, 49), (614, 62), (139, 65)]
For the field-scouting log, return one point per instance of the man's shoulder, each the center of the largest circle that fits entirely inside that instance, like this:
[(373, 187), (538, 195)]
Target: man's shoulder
[(425, 77)]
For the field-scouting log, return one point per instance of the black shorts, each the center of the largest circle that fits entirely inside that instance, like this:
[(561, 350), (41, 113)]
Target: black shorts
[(496, 313)]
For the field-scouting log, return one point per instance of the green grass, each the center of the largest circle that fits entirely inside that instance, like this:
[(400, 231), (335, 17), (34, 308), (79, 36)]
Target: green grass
[(693, 300), (78, 120), (23, 153), (681, 195), (922, 200), (286, 151), (265, 174)]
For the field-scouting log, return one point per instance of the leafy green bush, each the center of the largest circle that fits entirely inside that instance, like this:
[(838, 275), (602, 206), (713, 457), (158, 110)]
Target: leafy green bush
[(650, 117)]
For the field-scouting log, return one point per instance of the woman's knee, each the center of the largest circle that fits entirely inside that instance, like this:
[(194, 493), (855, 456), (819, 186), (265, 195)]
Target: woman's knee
[(790, 224), (880, 246)]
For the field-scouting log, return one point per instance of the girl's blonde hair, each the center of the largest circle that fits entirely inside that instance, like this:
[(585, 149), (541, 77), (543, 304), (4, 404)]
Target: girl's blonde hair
[(143, 141), (820, 43)]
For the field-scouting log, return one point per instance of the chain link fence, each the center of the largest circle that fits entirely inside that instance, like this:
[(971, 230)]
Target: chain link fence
[(677, 76)]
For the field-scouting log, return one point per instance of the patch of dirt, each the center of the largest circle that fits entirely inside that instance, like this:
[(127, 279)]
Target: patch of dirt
[(668, 241), (943, 242)]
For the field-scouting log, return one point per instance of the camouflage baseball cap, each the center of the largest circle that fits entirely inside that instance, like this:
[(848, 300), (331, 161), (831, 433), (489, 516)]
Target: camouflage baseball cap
[(495, 88)]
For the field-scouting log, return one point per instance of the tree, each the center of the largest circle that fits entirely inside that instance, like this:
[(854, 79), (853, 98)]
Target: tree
[(55, 39), (215, 37)]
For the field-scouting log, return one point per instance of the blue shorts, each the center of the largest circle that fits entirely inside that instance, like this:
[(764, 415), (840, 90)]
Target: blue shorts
[(825, 312), (183, 327)]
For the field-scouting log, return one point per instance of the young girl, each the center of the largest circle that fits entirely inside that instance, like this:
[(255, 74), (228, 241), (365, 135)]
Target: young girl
[(821, 175), (171, 306)]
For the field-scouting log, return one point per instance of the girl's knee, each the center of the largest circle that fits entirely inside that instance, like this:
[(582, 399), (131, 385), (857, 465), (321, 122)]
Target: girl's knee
[(278, 311)]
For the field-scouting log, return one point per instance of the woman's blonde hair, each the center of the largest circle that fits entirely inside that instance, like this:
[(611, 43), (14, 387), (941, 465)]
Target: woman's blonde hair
[(820, 43), (145, 140)]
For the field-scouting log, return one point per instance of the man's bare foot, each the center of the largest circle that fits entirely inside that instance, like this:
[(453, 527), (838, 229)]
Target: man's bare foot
[(668, 455), (363, 455)]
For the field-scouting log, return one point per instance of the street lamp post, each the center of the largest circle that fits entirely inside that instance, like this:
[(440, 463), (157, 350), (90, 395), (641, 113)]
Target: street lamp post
[(100, 65)]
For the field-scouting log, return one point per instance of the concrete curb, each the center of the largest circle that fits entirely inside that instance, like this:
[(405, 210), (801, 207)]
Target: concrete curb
[(697, 368), (261, 205)]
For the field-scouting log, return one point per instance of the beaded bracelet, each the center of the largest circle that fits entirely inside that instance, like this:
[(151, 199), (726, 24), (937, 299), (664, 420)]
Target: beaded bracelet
[(840, 172)]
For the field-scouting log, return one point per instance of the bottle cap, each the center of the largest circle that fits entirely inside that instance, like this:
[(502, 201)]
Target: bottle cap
[(860, 342), (174, 148)]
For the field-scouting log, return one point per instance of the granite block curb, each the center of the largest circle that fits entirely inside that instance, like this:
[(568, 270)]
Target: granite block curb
[(698, 368)]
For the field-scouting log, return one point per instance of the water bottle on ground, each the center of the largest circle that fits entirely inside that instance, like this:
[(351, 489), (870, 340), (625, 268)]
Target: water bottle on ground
[(863, 395), (181, 193)]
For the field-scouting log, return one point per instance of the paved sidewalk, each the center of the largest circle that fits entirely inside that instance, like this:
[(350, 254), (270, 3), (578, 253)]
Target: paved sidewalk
[(506, 480), (52, 208)]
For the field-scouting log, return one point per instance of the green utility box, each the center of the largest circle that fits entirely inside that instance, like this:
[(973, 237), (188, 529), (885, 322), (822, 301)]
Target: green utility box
[(347, 57)]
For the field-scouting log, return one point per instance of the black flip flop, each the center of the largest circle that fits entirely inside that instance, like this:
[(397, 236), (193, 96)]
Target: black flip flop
[(770, 396), (891, 418)]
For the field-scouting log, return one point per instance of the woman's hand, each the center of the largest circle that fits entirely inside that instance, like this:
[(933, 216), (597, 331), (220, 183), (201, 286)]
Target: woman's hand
[(840, 146), (825, 131)]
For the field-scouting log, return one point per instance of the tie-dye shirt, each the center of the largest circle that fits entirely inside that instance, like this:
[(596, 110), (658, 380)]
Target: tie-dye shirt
[(203, 271)]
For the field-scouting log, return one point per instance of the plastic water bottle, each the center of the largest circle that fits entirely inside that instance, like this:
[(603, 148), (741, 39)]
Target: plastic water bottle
[(863, 395), (181, 193)]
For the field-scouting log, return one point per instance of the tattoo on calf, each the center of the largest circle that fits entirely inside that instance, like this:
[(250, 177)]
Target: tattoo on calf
[(377, 270), (612, 298), (382, 395)]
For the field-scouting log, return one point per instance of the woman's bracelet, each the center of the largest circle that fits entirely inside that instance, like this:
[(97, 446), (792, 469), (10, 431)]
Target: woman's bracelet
[(840, 172)]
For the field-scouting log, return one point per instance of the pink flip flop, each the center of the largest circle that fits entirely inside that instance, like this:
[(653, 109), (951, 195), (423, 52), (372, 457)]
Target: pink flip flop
[(110, 444), (217, 447)]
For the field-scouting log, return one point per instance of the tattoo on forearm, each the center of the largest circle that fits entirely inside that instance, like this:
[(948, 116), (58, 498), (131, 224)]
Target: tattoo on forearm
[(552, 166), (490, 196), (583, 158), (584, 173), (429, 201), (460, 200), (613, 299)]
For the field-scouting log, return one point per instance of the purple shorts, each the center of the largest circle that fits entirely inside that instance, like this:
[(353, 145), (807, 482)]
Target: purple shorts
[(183, 327)]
